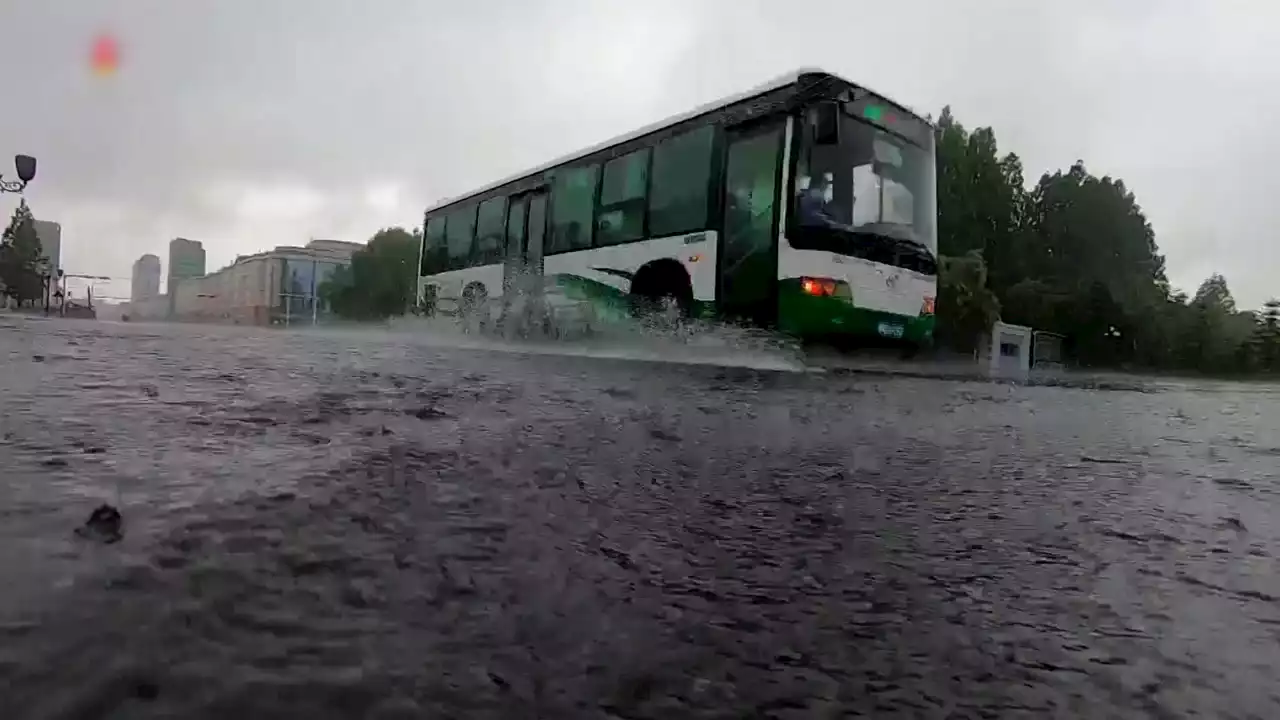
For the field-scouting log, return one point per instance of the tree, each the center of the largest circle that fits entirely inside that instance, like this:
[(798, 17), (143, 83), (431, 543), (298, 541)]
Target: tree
[(1091, 229), (22, 263), (980, 200), (1214, 295), (381, 279), (966, 306), (1265, 341), (1075, 255)]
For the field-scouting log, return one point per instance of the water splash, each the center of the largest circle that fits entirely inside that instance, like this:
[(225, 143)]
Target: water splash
[(556, 324)]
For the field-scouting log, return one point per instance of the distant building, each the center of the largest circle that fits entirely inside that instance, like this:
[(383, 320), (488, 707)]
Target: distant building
[(186, 260), (340, 247), (279, 286), (145, 281), (50, 234), (154, 308)]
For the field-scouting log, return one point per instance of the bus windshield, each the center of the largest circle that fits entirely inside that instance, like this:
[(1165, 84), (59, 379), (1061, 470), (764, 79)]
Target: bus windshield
[(872, 195)]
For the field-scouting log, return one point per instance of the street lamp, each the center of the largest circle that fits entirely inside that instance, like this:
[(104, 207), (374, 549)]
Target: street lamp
[(26, 167)]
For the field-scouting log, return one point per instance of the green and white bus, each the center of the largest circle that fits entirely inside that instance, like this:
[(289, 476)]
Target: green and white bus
[(808, 205)]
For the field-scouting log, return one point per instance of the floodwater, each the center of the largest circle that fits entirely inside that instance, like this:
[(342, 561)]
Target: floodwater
[(360, 524)]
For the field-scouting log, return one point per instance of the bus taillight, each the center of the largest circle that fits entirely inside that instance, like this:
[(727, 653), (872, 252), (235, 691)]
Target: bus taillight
[(927, 307), (820, 287)]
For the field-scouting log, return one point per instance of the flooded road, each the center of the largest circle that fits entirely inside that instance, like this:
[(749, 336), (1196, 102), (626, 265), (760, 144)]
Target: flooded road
[(368, 525)]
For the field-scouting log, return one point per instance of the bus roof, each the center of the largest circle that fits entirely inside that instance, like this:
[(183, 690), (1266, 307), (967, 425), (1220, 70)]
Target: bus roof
[(776, 83)]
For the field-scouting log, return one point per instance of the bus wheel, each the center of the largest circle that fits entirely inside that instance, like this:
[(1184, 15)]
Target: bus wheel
[(427, 307), (474, 299), (913, 349), (662, 288)]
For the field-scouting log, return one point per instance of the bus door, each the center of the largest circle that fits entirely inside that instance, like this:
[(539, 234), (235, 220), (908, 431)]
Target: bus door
[(748, 256), (526, 232)]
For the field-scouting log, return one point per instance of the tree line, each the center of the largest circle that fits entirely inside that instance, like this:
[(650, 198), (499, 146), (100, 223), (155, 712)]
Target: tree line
[(1075, 255), (23, 266)]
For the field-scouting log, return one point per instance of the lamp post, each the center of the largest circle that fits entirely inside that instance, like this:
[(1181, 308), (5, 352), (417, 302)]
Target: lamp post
[(52, 287), (26, 167)]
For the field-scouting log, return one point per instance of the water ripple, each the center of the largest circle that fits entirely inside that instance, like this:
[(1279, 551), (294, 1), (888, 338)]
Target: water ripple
[(359, 525)]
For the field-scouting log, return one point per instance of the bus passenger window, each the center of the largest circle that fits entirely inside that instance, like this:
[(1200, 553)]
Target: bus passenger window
[(489, 230), (681, 183), (460, 236), (622, 192), (573, 195), (434, 252)]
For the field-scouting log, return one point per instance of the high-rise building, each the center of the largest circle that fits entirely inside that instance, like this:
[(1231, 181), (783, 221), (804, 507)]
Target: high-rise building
[(146, 278), (186, 260), (50, 234)]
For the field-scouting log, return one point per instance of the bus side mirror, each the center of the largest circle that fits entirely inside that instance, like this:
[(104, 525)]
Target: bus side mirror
[(826, 124)]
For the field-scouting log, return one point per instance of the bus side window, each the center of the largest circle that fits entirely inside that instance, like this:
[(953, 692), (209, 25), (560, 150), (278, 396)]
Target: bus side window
[(460, 237), (573, 200), (681, 182), (489, 231), (434, 253), (622, 194)]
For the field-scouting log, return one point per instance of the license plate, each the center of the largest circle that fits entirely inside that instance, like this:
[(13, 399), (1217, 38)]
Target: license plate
[(890, 330)]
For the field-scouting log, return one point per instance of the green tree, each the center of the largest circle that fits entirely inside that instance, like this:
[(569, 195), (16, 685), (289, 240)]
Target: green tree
[(1210, 335), (1088, 229), (381, 279), (1075, 255), (1213, 294), (981, 200), (1265, 340), (22, 262), (966, 306)]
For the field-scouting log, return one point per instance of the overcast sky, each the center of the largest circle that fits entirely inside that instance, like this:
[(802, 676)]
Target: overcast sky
[(252, 123)]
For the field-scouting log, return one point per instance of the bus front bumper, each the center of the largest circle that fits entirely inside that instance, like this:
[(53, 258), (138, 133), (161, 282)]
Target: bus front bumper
[(812, 317)]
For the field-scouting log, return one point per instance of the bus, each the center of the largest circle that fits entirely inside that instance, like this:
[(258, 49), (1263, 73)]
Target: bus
[(807, 205)]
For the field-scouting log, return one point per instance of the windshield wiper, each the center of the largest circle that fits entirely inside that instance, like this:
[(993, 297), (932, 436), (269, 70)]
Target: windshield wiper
[(914, 245), (892, 248), (902, 237), (891, 240), (880, 243)]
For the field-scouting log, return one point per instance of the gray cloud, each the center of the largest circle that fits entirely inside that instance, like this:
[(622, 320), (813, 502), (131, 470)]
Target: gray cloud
[(249, 124)]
